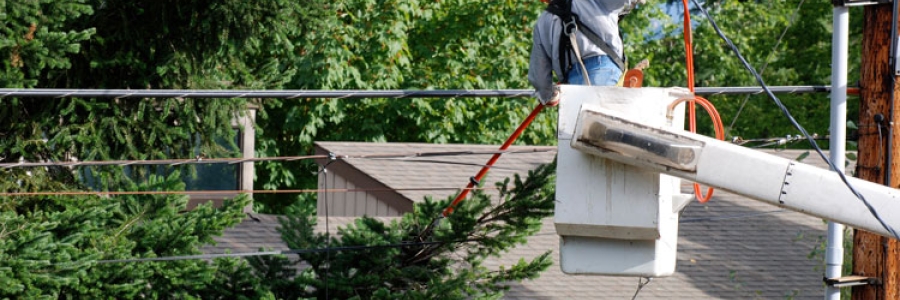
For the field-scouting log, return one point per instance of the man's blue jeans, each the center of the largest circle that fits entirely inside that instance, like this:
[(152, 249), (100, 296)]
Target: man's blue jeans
[(602, 70)]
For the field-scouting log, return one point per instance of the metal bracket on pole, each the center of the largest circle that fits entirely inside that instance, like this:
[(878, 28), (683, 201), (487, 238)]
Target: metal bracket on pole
[(853, 280), (859, 2)]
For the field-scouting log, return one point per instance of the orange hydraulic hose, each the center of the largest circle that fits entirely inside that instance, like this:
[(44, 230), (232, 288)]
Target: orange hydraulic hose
[(512, 138), (692, 115), (689, 64), (719, 130)]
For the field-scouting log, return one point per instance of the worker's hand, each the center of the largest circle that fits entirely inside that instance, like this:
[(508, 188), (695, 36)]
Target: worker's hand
[(553, 101)]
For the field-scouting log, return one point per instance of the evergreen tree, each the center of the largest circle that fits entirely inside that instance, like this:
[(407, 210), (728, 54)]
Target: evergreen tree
[(51, 244), (38, 38), (443, 261)]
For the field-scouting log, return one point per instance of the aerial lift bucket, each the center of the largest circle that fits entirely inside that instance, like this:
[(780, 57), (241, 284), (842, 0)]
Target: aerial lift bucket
[(612, 218)]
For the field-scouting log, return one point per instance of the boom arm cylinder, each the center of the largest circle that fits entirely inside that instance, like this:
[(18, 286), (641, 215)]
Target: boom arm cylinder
[(789, 184)]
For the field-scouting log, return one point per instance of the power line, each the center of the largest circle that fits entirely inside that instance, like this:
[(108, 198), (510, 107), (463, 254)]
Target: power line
[(233, 192), (172, 162), (365, 247), (351, 94), (284, 94), (282, 252), (641, 284), (446, 162), (774, 141), (331, 159), (769, 58), (200, 160), (793, 121), (798, 89), (731, 217)]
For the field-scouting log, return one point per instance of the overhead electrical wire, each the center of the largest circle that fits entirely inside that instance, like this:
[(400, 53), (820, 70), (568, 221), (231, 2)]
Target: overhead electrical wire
[(444, 162), (366, 247), (171, 162), (354, 94), (642, 282), (409, 157), (232, 192), (793, 121), (283, 94), (731, 217), (774, 141), (768, 58), (740, 90), (331, 159), (281, 252), (200, 160), (364, 94)]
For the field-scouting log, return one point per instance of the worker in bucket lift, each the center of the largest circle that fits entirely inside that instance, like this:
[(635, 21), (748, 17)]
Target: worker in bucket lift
[(571, 29)]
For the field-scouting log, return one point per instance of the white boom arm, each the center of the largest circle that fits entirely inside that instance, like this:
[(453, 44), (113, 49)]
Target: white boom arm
[(778, 181)]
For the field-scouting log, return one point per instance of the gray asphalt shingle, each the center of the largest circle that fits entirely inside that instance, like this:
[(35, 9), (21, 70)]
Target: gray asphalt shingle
[(728, 248)]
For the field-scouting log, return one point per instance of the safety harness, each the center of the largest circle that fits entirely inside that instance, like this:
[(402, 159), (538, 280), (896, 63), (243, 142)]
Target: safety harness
[(571, 25)]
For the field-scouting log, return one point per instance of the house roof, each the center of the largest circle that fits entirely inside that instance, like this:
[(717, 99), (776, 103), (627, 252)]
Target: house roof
[(256, 232), (729, 247), (449, 168)]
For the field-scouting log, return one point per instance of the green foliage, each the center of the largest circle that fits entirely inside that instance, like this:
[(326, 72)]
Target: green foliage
[(50, 244), (39, 37), (413, 45), (235, 279), (451, 266), (485, 45), (801, 58), (172, 44)]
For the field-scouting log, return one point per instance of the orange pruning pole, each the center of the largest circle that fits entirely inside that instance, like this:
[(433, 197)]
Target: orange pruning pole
[(475, 180)]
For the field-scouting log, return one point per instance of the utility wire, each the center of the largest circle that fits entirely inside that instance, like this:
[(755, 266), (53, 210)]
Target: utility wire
[(777, 141), (331, 159), (200, 160), (769, 58), (349, 94), (144, 162), (282, 252), (232, 192), (799, 89), (793, 121), (731, 217), (361, 247), (434, 161), (641, 284), (406, 157), (283, 94)]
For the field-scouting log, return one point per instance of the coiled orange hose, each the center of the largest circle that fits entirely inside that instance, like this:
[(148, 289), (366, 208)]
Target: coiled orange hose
[(692, 115)]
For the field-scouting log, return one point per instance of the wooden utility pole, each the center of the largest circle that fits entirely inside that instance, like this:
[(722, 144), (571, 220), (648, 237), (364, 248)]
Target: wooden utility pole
[(874, 255)]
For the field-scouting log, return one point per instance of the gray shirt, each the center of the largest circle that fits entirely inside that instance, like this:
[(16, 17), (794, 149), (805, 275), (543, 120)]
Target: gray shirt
[(601, 16)]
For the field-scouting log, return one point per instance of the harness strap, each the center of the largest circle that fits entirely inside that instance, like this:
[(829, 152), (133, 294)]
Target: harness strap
[(571, 23), (574, 41), (603, 45)]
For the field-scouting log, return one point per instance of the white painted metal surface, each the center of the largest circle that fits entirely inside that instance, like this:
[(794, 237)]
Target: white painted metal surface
[(840, 36), (756, 175), (614, 218)]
